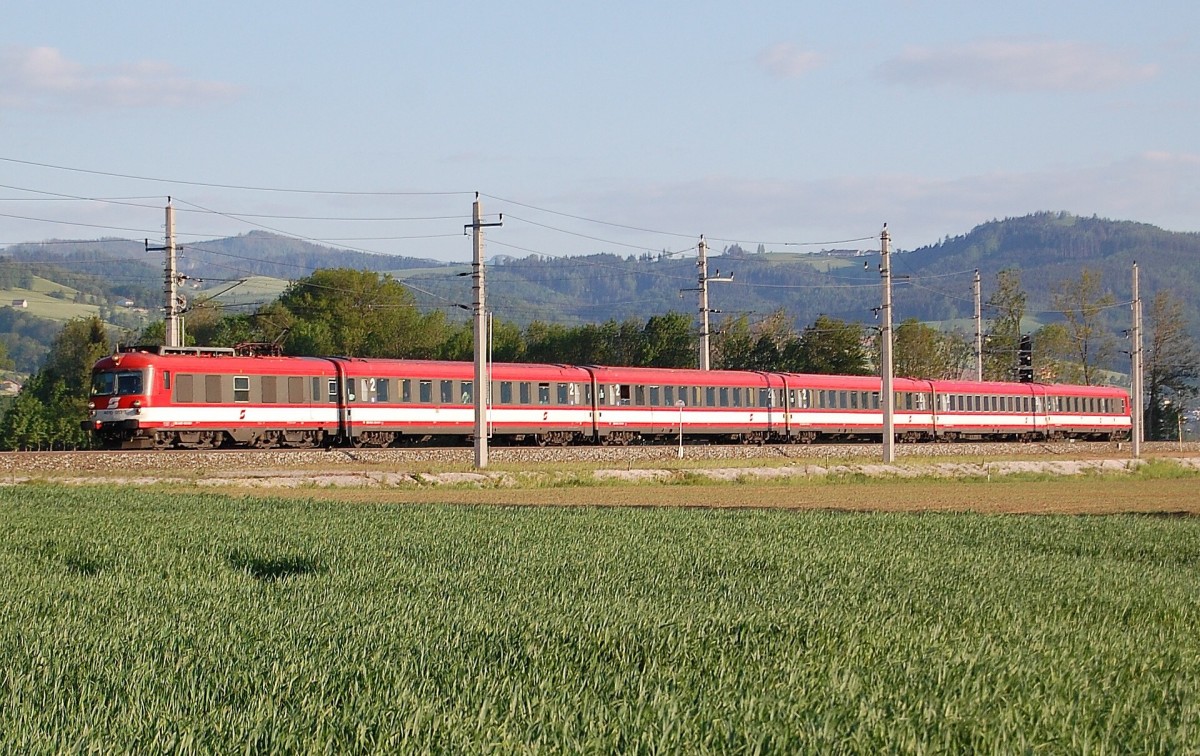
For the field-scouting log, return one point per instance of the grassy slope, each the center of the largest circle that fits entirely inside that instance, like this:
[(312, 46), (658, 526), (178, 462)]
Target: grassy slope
[(42, 305)]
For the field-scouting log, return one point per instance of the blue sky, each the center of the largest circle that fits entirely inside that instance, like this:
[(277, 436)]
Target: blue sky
[(618, 127)]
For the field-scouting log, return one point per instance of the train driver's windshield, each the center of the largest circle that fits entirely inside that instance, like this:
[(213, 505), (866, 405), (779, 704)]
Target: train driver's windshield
[(109, 384)]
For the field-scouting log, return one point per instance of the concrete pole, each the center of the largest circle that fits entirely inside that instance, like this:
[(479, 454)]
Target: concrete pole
[(887, 395), (702, 263), (978, 328), (171, 330), (483, 378), (477, 309), (1137, 389)]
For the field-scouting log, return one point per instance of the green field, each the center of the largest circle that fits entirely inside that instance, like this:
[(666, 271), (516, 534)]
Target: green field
[(149, 621), (41, 304)]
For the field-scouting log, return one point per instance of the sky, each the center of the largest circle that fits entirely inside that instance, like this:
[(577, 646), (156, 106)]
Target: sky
[(621, 127)]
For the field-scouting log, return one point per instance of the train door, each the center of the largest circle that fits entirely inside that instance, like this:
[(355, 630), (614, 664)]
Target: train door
[(342, 390), (1040, 410), (768, 405)]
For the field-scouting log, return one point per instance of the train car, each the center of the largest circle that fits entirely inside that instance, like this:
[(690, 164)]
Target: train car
[(390, 402), (204, 398), (1094, 413), (968, 410), (648, 404), (848, 408)]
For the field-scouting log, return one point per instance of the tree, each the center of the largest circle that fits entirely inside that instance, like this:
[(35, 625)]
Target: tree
[(51, 405), (1082, 305), (1051, 346), (1007, 305), (667, 341), (359, 313), (922, 351), (829, 346), (732, 344), (1172, 366)]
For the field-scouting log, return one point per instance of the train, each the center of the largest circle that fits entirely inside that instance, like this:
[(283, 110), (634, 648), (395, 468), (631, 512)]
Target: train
[(206, 397)]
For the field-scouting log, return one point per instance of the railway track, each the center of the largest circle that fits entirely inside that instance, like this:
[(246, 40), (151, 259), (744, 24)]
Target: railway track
[(179, 461)]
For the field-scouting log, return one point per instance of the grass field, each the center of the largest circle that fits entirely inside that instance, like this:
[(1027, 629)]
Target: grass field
[(41, 304), (148, 621)]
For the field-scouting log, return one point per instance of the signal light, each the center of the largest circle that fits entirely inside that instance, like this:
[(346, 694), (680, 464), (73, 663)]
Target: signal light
[(1025, 359)]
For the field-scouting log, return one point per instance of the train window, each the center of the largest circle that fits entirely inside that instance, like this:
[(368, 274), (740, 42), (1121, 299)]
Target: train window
[(506, 394), (383, 389), (874, 400), (129, 383), (425, 392), (468, 391), (723, 396), (655, 396), (406, 389), (853, 400), (183, 388), (446, 392), (736, 397), (241, 388), (766, 398), (167, 379), (102, 384), (316, 389), (526, 393), (295, 389), (268, 387), (572, 394), (543, 393), (333, 397), (212, 389), (587, 393), (668, 396), (710, 396), (563, 394)]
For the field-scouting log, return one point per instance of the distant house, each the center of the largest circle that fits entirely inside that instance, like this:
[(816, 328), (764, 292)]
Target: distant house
[(9, 388), (127, 303), (22, 303)]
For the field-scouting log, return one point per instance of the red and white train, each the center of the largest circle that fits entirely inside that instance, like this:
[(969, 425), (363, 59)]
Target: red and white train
[(155, 397)]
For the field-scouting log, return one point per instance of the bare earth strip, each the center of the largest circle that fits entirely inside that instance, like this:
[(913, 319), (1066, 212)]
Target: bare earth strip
[(1094, 483)]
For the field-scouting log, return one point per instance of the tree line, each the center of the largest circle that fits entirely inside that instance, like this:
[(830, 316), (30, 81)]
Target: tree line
[(368, 314)]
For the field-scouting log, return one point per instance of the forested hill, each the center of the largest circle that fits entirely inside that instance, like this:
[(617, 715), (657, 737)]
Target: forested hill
[(932, 283)]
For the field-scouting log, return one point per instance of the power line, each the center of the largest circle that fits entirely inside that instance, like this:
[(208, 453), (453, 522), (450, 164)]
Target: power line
[(213, 185)]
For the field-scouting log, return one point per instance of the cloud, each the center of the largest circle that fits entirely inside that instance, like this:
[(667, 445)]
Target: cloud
[(786, 61), (42, 78), (1015, 65)]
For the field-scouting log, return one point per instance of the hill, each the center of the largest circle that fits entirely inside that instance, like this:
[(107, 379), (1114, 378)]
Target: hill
[(933, 283)]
